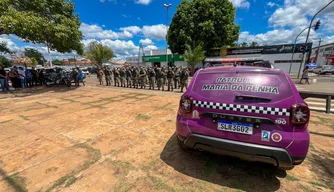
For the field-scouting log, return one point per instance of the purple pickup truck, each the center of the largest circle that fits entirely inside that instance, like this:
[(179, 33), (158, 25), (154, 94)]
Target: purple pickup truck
[(251, 113)]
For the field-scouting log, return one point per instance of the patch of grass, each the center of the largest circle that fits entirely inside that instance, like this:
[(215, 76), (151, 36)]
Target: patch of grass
[(239, 190), (17, 182), (332, 127), (70, 100), (143, 117), (96, 155), (291, 178), (160, 184), (24, 117), (169, 120), (70, 181), (3, 122), (322, 120), (314, 183), (150, 164), (123, 186), (122, 166), (305, 189)]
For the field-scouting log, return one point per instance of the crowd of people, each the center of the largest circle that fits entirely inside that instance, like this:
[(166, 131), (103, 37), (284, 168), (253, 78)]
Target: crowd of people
[(139, 77), (21, 77)]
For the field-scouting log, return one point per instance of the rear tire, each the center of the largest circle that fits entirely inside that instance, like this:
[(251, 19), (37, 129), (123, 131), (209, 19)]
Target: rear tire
[(181, 144), (286, 168)]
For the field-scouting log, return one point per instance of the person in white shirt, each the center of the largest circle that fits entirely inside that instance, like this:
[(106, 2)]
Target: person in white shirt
[(22, 75)]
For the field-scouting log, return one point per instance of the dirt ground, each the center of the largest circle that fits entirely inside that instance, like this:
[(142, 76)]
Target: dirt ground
[(96, 138)]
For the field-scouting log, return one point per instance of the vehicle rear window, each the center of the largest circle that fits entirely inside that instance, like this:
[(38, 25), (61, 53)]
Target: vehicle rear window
[(226, 86)]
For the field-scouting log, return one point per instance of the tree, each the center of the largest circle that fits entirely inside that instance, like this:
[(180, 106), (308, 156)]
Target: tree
[(34, 53), (34, 62), (193, 56), (253, 44), (244, 44), (4, 48), (99, 53), (58, 62), (72, 60), (207, 22), (52, 23), (23, 61), (4, 62)]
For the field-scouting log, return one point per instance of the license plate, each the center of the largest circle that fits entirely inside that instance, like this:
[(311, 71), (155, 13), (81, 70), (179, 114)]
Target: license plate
[(235, 127)]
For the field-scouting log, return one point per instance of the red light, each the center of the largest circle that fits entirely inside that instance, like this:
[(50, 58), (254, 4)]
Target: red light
[(300, 114), (186, 104), (276, 137)]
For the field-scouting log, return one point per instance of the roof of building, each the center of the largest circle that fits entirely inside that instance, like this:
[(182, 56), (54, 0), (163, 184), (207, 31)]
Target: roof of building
[(329, 44)]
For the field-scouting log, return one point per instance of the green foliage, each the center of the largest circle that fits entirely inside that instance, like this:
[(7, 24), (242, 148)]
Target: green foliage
[(42, 21), (4, 62), (99, 53), (57, 62), (4, 48), (194, 56), (34, 55), (34, 62), (207, 22), (253, 44), (72, 60), (244, 44)]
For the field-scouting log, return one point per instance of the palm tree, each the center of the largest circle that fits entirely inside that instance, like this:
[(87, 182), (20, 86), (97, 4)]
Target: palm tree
[(253, 44), (99, 53), (244, 44), (193, 56)]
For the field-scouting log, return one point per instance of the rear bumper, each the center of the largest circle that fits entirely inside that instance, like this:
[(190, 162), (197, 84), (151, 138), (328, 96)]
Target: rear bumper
[(251, 152)]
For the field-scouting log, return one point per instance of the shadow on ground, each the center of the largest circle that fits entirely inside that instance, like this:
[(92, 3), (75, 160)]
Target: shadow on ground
[(222, 170), (36, 91)]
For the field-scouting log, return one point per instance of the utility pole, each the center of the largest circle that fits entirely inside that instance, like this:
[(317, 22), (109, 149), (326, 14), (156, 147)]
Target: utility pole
[(316, 57), (167, 7), (308, 34)]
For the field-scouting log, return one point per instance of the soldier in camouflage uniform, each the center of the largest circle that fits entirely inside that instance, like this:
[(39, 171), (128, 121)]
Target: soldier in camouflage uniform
[(128, 77), (107, 74), (164, 70), (151, 76), (160, 79), (122, 77), (142, 77), (135, 74), (184, 78), (177, 78), (116, 77), (146, 78), (100, 76), (170, 78)]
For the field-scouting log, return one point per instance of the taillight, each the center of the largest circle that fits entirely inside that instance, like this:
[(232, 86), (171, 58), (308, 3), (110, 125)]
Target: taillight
[(186, 104), (300, 114)]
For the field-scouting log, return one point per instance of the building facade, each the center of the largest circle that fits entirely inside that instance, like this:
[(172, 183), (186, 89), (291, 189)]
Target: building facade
[(279, 55), (325, 56)]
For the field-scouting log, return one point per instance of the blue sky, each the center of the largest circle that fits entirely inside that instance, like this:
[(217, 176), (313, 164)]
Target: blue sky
[(123, 24)]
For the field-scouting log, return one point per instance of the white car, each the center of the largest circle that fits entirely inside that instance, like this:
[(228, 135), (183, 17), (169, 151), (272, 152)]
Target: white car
[(323, 69)]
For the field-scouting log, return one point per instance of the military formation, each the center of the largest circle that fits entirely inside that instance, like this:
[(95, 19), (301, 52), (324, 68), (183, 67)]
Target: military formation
[(141, 77)]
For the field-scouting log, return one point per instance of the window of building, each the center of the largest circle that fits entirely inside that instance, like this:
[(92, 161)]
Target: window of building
[(321, 50), (287, 61)]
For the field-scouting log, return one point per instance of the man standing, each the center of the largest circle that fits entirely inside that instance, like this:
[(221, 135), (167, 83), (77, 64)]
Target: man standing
[(116, 77), (22, 77), (122, 76), (151, 75), (170, 77), (107, 74), (28, 77), (75, 76), (135, 75), (3, 79), (34, 76), (41, 77), (184, 79), (160, 79), (142, 77), (177, 78), (100, 76), (164, 70), (128, 77)]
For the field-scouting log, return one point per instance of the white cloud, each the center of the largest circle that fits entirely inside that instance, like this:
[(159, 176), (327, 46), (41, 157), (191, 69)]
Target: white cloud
[(272, 4), (328, 39), (10, 44), (121, 47), (290, 16), (155, 31), (143, 2), (151, 47), (132, 29), (240, 3), (95, 31), (146, 41)]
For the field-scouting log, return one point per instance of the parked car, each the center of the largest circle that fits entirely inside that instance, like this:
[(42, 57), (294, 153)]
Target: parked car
[(322, 69), (252, 113), (85, 71)]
